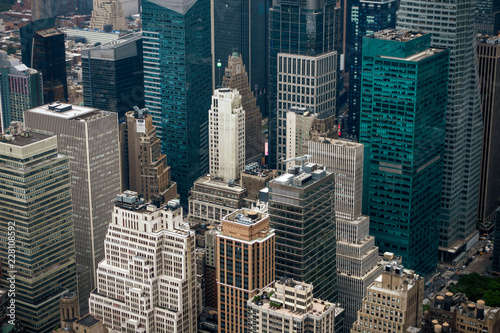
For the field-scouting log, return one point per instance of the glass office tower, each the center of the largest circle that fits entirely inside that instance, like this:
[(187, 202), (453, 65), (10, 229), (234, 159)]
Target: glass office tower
[(241, 26), (308, 28), (403, 104), (452, 26), (178, 82), (366, 17)]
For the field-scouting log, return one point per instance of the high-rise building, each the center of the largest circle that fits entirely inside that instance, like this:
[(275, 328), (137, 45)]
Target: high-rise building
[(107, 15), (301, 209), (403, 129), (488, 52), (113, 75), (295, 127), (245, 265), (210, 269), (241, 26), (226, 134), (71, 322), (399, 294), (148, 171), (147, 286), (367, 17), (236, 77), (36, 203), (177, 82), (307, 28), (289, 306), (20, 89), (357, 255), (495, 264), (452, 27), (90, 138), (49, 58), (487, 18)]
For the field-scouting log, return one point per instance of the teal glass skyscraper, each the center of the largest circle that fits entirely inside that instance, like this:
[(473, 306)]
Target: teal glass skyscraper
[(403, 103), (178, 82)]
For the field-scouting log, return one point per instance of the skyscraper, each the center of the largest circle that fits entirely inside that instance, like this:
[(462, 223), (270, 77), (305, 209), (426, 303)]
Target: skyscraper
[(178, 88), (236, 77), (487, 19), (147, 286), (367, 17), (113, 75), (488, 52), (241, 26), (20, 89), (301, 209), (107, 15), (90, 138), (227, 134), (357, 255), (148, 171), (399, 294), (403, 105), (37, 203), (306, 28), (245, 265), (49, 58), (452, 27)]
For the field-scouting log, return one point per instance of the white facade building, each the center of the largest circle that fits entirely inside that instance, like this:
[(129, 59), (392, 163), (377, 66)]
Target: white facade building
[(108, 12), (357, 256), (289, 306), (147, 281), (227, 134)]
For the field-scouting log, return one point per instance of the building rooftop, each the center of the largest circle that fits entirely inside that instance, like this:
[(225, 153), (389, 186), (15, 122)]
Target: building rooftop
[(301, 177), (70, 111), (492, 40), (245, 216), (418, 56), (218, 183), (49, 32), (402, 35), (23, 140), (88, 321)]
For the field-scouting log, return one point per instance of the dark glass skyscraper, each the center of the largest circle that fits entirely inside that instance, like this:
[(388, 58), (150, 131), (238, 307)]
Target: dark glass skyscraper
[(178, 82), (113, 77), (301, 209), (403, 103), (49, 57), (487, 20), (366, 17), (241, 26), (301, 28)]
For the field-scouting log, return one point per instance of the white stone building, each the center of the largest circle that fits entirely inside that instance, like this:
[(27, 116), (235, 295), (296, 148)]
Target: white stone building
[(147, 281), (357, 256), (108, 12), (289, 306), (227, 134)]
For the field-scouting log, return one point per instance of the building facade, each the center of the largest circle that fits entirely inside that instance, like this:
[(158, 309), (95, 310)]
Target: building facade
[(245, 265), (36, 206), (487, 18), (107, 15), (20, 90), (226, 134), (49, 58), (178, 89), (495, 264), (289, 306), (301, 209), (462, 155), (241, 26), (148, 171), (393, 302), (403, 128), (357, 256), (488, 52), (287, 21), (71, 320), (113, 75), (147, 286), (90, 138), (367, 17), (236, 77), (304, 83)]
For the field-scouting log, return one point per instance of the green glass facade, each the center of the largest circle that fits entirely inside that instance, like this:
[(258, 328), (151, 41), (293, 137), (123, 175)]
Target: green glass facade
[(403, 103), (178, 83), (35, 195), (303, 217)]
